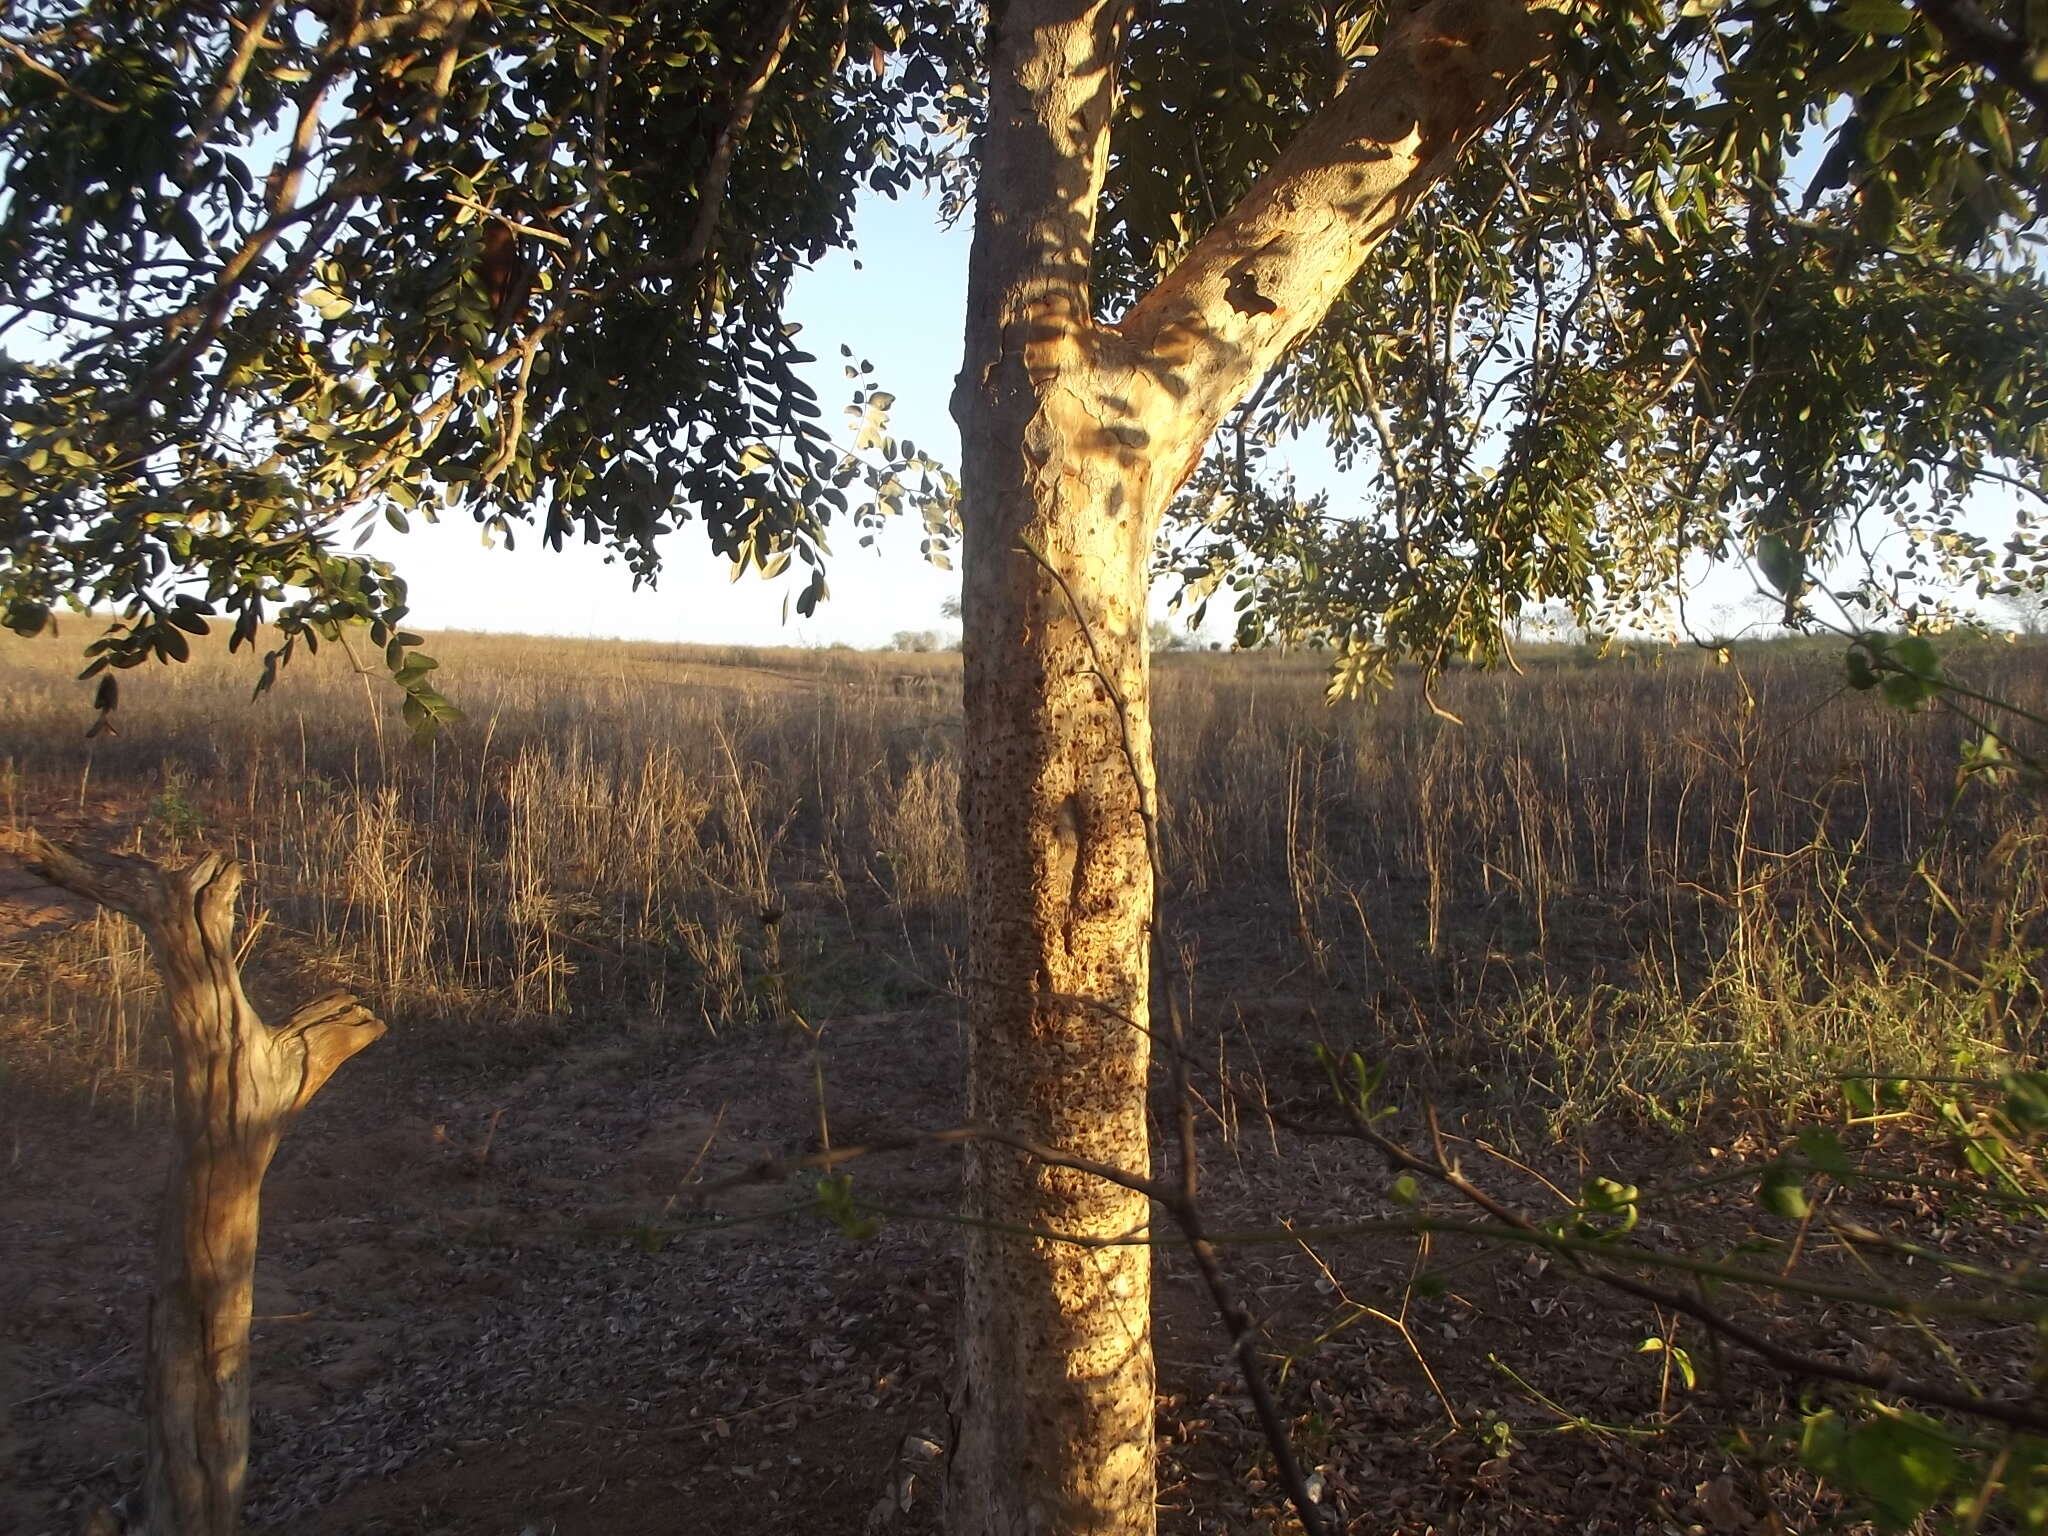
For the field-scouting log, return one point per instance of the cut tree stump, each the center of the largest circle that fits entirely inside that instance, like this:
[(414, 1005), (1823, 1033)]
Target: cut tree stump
[(237, 1085)]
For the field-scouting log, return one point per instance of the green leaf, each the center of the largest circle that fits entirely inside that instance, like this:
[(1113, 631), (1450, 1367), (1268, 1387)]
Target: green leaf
[(1874, 18), (272, 661), (327, 303), (427, 712), (1823, 1148), (1607, 1208), (835, 1201), (1902, 1466), (1861, 70), (1823, 1439), (2027, 1486), (1917, 654), (2026, 1101), (1783, 566), (1906, 691), (1926, 121), (1996, 129), (1681, 1361), (1783, 1193), (1985, 758), (27, 617)]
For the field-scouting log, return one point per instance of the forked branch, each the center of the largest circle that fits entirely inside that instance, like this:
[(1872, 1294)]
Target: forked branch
[(237, 1084)]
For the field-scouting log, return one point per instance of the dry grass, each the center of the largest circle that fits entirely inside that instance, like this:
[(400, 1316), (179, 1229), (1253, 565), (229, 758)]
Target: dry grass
[(1613, 899), (1610, 890)]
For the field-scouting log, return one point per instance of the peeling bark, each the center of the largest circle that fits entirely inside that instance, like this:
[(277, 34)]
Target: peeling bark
[(237, 1086), (1074, 438)]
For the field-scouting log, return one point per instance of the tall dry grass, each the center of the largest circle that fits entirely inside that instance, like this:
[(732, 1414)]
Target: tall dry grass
[(1609, 889)]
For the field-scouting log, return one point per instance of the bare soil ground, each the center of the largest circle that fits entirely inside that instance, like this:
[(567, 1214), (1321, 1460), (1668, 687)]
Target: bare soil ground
[(491, 1305)]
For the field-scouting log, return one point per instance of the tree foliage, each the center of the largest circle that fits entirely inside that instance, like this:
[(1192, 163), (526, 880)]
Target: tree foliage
[(1732, 279), (272, 272), (1729, 273)]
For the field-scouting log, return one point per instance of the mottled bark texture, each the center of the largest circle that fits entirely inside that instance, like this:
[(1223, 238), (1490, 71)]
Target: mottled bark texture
[(1075, 435), (237, 1085)]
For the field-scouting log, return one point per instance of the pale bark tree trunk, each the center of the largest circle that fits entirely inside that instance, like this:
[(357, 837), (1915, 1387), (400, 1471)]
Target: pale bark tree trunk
[(237, 1085), (1074, 437), (1055, 1428)]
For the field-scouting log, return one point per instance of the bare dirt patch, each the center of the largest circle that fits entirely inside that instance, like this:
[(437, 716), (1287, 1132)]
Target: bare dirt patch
[(489, 1305)]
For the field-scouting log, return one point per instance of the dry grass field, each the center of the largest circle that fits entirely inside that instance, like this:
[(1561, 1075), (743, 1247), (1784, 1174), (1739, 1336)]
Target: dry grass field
[(655, 912)]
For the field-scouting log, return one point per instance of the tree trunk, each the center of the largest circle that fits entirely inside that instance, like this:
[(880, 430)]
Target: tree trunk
[(237, 1085), (1054, 1428), (1056, 1435), (1074, 435)]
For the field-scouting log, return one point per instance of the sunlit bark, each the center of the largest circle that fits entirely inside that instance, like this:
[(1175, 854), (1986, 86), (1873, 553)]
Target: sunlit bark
[(1074, 437)]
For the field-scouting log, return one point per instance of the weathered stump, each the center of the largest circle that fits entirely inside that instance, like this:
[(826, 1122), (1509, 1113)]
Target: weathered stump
[(237, 1085)]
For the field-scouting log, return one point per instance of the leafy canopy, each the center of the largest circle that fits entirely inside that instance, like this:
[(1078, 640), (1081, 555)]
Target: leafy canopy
[(1758, 277), (1748, 276), (269, 271)]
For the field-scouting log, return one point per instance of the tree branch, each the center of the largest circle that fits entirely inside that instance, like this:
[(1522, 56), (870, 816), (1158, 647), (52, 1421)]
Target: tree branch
[(333, 1027), (232, 75), (711, 193), (1790, 1362), (711, 189), (2005, 56), (1265, 276), (30, 62), (109, 880)]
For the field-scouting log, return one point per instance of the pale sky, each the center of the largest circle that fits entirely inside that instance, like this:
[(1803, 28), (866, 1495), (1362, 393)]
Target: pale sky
[(905, 311)]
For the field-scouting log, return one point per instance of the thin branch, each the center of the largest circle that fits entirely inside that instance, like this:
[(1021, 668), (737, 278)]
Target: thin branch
[(1587, 1257), (711, 190), (231, 78), (484, 210), (74, 1383), (31, 62), (1789, 1361)]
